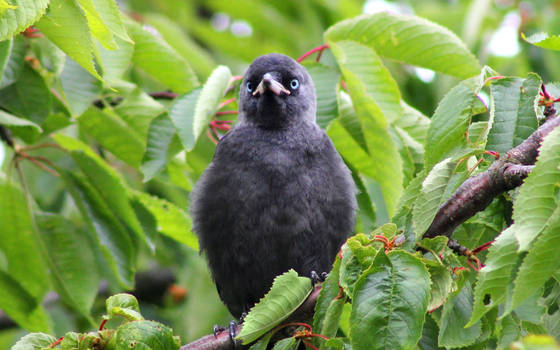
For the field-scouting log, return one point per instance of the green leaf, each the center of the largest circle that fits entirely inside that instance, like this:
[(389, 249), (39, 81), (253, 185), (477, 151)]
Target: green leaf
[(79, 87), (327, 298), (116, 244), (108, 183), (114, 134), (98, 29), (540, 263), (13, 67), (71, 261), (290, 343), (160, 144), (371, 101), (24, 308), (538, 195), (441, 286), (17, 17), (551, 42), (365, 68), (124, 305), (287, 293), (436, 188), (173, 33), (29, 97), (116, 63), (494, 278), (456, 312), (515, 118), (158, 59), (11, 120), (389, 303), (171, 220), (192, 112), (18, 241), (449, 124), (49, 55), (145, 335), (409, 39), (75, 39), (5, 49), (414, 123), (325, 80), (34, 341)]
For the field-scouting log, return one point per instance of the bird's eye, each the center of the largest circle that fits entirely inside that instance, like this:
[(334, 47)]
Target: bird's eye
[(294, 84), (249, 86)]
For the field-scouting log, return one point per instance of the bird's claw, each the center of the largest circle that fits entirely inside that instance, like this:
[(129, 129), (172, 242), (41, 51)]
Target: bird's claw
[(232, 327), (317, 278), (217, 329)]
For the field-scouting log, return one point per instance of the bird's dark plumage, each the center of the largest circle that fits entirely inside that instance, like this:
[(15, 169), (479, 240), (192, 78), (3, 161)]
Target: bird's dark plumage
[(277, 195)]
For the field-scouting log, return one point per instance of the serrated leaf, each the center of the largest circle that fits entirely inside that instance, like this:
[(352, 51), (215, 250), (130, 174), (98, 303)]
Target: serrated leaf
[(287, 293), (34, 341), (455, 315), (98, 29), (114, 134), (442, 285), (22, 307), (389, 303), (540, 262), (158, 59), (325, 80), (117, 247), (49, 55), (18, 241), (116, 63), (192, 112), (414, 123), (29, 97), (371, 101), (544, 40), (409, 39), (171, 220), (79, 87), (495, 277), (513, 103), (290, 343), (72, 264), (75, 39), (435, 189), (159, 145), (449, 124), (17, 17), (537, 197)]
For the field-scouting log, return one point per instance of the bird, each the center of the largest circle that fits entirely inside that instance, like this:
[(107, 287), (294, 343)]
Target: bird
[(276, 195)]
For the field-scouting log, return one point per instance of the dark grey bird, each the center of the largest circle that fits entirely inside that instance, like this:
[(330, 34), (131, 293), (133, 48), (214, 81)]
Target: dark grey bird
[(277, 195)]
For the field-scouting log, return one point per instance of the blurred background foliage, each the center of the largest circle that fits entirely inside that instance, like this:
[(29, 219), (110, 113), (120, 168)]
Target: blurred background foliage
[(212, 32)]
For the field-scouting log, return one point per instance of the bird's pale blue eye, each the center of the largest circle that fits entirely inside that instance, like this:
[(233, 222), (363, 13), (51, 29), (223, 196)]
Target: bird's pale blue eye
[(294, 84), (249, 86)]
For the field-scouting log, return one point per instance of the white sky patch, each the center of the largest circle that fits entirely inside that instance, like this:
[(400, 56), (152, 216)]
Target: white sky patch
[(375, 6), (505, 40), (241, 28), (424, 74), (220, 21)]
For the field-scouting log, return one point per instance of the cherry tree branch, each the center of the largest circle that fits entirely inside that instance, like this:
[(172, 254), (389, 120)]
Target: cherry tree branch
[(477, 192)]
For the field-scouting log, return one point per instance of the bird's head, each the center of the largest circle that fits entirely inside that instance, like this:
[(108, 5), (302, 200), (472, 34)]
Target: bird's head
[(276, 92)]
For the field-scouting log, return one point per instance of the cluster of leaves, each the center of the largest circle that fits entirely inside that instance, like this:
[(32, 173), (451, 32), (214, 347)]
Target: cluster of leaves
[(82, 82), (134, 333)]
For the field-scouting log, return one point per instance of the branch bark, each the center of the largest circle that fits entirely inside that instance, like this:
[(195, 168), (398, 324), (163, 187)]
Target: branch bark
[(477, 192)]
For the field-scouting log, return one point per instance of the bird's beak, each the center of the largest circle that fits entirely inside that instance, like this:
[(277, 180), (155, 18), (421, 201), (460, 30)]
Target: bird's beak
[(268, 82)]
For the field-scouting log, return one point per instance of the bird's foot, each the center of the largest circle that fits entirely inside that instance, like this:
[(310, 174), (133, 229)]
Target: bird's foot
[(317, 278), (232, 327)]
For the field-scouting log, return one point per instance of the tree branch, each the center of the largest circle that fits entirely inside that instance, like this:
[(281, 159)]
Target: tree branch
[(477, 192), (221, 339)]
